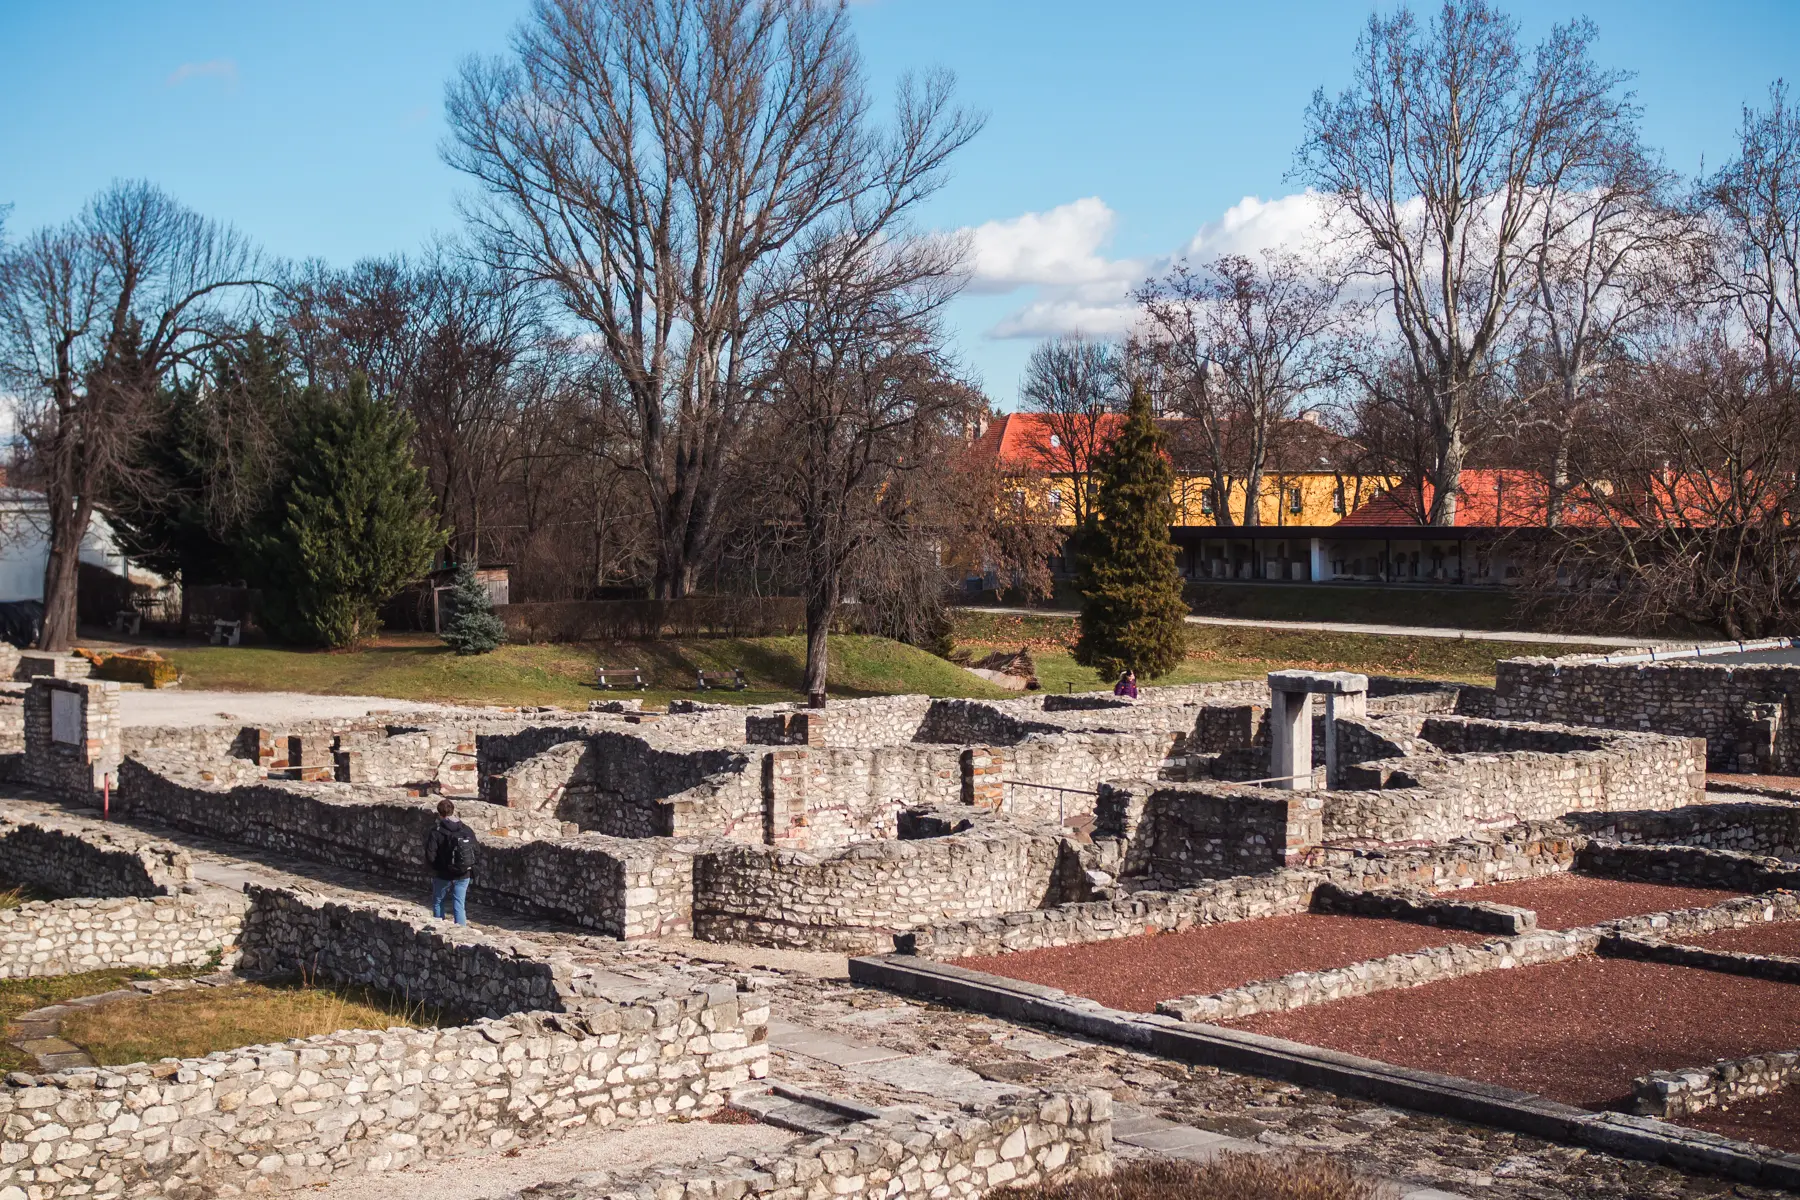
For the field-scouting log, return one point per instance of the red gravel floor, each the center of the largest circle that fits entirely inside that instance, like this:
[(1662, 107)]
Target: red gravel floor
[(1134, 973), (1576, 1031), (1769, 937), (1568, 901), (1773, 1120)]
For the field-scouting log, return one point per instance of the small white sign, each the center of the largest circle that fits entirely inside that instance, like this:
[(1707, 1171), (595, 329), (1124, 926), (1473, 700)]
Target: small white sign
[(65, 718)]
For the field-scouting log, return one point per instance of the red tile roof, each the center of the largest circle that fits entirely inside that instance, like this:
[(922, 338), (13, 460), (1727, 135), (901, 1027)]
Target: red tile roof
[(1486, 499)]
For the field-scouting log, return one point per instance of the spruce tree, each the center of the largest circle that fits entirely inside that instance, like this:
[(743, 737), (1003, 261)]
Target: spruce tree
[(472, 628), (353, 525), (1132, 611)]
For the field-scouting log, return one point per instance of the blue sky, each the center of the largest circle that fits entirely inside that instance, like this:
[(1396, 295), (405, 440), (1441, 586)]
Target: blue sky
[(1132, 129)]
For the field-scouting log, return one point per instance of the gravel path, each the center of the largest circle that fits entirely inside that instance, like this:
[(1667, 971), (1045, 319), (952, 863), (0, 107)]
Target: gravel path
[(1773, 1120), (181, 707), (1578, 1032), (1568, 901), (1134, 973), (481, 1175), (1428, 631)]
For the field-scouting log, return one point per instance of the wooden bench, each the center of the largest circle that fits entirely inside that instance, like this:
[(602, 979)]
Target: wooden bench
[(728, 681), (227, 633), (624, 678), (128, 621)]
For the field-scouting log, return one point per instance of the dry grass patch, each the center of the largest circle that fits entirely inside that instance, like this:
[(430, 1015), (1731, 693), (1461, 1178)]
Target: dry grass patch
[(24, 995), (1228, 1177), (199, 1021)]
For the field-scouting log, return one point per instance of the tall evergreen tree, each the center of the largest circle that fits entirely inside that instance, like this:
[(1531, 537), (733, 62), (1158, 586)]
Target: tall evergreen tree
[(354, 524), (472, 628), (1131, 604), (209, 463)]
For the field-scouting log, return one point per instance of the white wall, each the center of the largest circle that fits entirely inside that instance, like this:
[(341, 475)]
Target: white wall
[(25, 547)]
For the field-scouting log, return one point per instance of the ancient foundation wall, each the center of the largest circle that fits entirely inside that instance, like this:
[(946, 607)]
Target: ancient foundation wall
[(1180, 834), (72, 735), (347, 1104), (86, 858), (67, 937), (1744, 712), (857, 899), (1672, 1095), (1769, 827), (1038, 1138)]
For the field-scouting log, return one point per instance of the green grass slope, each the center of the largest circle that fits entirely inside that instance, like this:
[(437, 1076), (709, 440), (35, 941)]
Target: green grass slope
[(419, 668)]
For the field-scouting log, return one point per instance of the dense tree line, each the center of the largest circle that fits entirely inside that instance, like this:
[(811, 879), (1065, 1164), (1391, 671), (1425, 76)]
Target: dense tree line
[(689, 340)]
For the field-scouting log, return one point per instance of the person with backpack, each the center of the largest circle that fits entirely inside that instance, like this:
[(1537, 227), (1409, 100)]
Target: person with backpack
[(450, 850)]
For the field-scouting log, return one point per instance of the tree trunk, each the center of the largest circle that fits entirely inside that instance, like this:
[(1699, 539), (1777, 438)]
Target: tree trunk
[(821, 602), (62, 574)]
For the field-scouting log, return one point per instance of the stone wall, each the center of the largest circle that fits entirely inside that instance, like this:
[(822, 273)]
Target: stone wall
[(1690, 866), (67, 937), (397, 950), (1275, 894), (1672, 1095), (1178, 834), (1440, 795), (296, 1115), (77, 763), (1745, 712), (1038, 1138), (1435, 964), (1769, 827), (1525, 852), (623, 887), (85, 858), (857, 899)]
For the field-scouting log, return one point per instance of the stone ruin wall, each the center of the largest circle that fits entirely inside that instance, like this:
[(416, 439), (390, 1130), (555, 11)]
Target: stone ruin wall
[(1035, 1137), (299, 1114), (67, 937), (1176, 835), (856, 900), (1745, 712), (1766, 827), (82, 858)]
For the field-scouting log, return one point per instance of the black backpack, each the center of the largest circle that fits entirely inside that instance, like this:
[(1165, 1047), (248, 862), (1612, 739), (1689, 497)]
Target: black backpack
[(456, 856)]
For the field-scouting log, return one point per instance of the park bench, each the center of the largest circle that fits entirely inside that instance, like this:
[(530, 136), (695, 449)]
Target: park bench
[(627, 678), (729, 681), (128, 621), (227, 633)]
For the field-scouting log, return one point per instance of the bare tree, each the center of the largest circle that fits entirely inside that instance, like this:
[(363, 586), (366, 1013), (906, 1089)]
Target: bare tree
[(1756, 200), (1434, 164), (863, 397), (658, 164), (94, 315), (1074, 386), (1241, 347)]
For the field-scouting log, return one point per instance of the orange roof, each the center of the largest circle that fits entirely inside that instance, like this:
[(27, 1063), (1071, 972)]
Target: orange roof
[(1486, 499), (1026, 441)]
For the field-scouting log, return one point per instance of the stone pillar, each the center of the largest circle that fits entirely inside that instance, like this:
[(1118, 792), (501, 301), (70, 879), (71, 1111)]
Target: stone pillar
[(1290, 738), (1290, 721), (981, 783), (784, 797), (72, 742)]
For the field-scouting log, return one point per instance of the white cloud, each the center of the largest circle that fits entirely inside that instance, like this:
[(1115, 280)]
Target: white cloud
[(1058, 248), (1058, 258), (217, 68)]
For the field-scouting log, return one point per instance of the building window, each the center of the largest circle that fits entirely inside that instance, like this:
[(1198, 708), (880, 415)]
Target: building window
[(1296, 503), (1055, 499), (1337, 499), (1206, 502), (1055, 442)]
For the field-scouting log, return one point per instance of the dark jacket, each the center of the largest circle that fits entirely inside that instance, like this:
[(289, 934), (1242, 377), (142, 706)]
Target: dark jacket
[(439, 845)]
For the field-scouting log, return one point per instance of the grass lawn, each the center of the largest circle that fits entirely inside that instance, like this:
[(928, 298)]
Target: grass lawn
[(24, 995), (191, 1023), (419, 667), (1229, 652)]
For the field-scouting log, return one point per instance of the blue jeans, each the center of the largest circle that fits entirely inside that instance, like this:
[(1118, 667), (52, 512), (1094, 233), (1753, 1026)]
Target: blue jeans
[(457, 890)]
